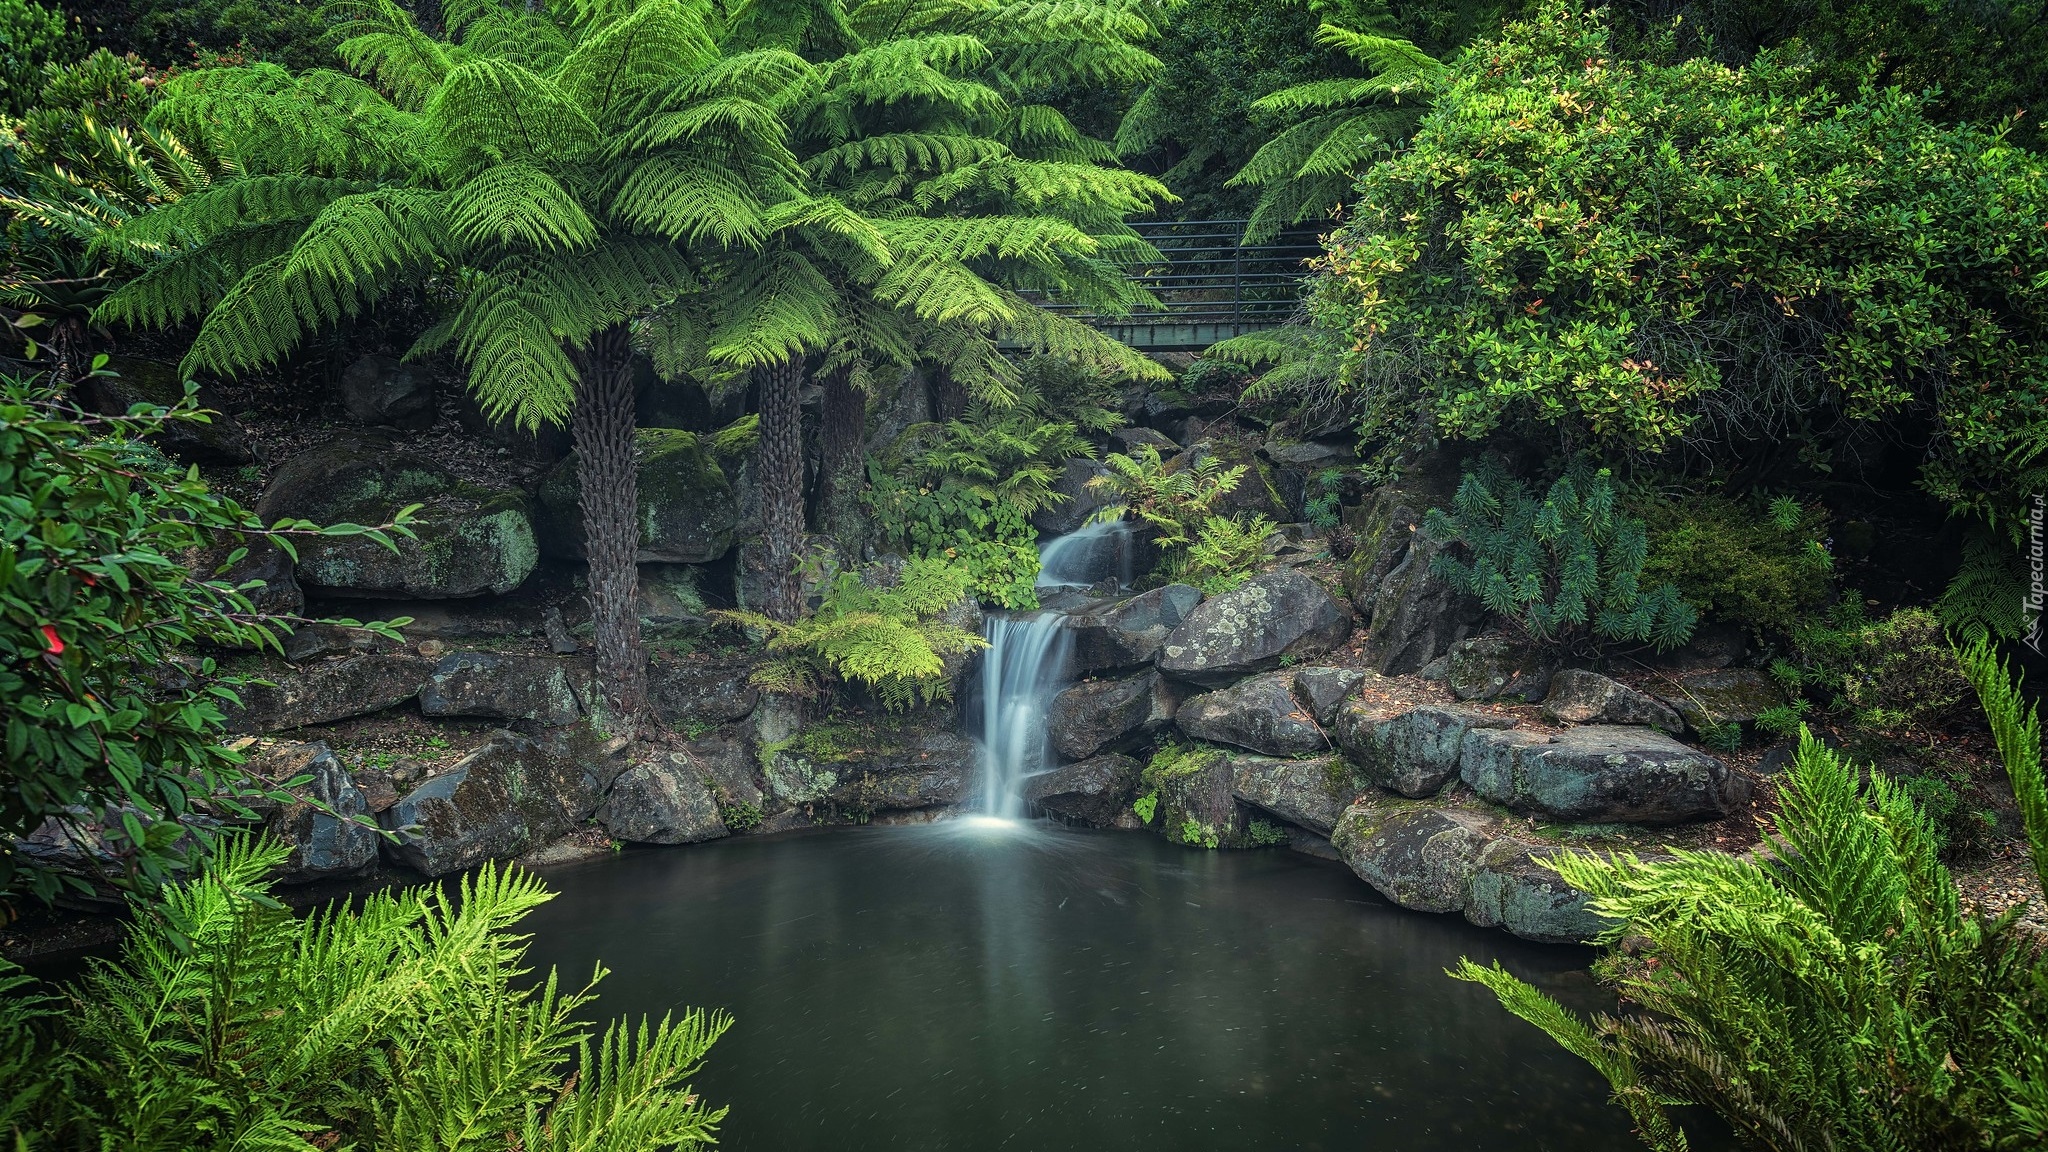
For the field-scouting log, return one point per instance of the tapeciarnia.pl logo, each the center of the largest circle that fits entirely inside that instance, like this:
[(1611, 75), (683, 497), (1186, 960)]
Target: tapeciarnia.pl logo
[(2037, 571)]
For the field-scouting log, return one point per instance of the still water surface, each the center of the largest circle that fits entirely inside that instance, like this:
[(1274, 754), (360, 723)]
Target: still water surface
[(967, 985)]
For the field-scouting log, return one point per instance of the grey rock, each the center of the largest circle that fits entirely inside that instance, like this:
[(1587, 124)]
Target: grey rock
[(930, 770), (1130, 438), (662, 802), (1064, 516), (1597, 773), (818, 565), (557, 632), (278, 592), (1416, 615), (1416, 855), (686, 693), (467, 540), (502, 799), (383, 390), (1092, 793), (330, 690), (324, 844), (726, 763), (1258, 492), (1499, 668), (1312, 794), (1126, 633), (1726, 696), (547, 690), (687, 511), (1097, 715), (1253, 627), (1309, 454), (1322, 689), (1581, 697), (1258, 713), (310, 642), (1412, 750), (1196, 805), (670, 599), (1511, 889), (220, 440), (379, 788)]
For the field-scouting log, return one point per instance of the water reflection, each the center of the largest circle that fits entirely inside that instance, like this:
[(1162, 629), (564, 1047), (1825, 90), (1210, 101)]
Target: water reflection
[(987, 984)]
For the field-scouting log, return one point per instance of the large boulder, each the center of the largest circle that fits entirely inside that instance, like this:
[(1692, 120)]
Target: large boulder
[(547, 690), (329, 690), (1321, 689), (1596, 773), (1310, 793), (1253, 627), (861, 765), (1707, 700), (1126, 633), (1082, 498), (277, 591), (689, 693), (1499, 668), (1195, 804), (321, 823), (220, 440), (1416, 614), (384, 390), (502, 799), (1092, 793), (1510, 888), (1581, 697), (1095, 715), (1258, 713), (663, 801), (687, 511), (1412, 750), (468, 540), (934, 770), (1417, 855), (725, 761), (671, 599)]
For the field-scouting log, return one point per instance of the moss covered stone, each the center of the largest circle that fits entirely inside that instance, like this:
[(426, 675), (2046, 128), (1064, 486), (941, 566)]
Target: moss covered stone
[(687, 512), (468, 540)]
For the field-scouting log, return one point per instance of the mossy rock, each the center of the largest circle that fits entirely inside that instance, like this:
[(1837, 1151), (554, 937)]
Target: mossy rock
[(688, 512), (221, 440), (468, 540)]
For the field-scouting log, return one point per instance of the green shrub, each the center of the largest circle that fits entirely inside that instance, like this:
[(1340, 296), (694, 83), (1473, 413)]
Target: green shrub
[(1761, 566), (1830, 992), (105, 701), (1206, 377), (1225, 553), (1898, 675), (889, 637), (403, 1021), (1177, 500), (1569, 564), (31, 36)]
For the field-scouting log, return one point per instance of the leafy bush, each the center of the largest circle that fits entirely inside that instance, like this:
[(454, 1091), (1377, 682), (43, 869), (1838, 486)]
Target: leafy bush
[(1569, 563), (107, 704), (1176, 499), (1761, 566), (31, 36), (1830, 993), (1989, 591), (1621, 254), (888, 635), (404, 1021), (1896, 675), (1224, 554)]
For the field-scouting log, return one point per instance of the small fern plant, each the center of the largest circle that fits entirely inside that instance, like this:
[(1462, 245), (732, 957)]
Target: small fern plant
[(1176, 499), (1224, 554), (405, 1022), (892, 638), (1567, 564)]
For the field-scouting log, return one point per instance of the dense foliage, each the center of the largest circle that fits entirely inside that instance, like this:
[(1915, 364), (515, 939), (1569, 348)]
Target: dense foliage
[(1831, 993), (402, 1022), (109, 708), (1650, 258)]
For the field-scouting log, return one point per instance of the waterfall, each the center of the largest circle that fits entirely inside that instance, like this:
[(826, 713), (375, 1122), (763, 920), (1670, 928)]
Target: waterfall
[(1095, 551), (1023, 669)]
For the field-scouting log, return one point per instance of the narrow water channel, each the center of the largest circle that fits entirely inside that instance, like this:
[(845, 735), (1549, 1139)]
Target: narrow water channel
[(979, 984)]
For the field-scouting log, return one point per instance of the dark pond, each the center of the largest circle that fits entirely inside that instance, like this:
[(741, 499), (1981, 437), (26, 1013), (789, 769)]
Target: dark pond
[(967, 985)]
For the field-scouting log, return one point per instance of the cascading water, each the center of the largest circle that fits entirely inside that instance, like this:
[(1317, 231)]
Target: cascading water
[(1094, 551), (1023, 669)]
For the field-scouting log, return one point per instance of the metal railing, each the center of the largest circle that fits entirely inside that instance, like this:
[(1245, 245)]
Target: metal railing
[(1211, 287)]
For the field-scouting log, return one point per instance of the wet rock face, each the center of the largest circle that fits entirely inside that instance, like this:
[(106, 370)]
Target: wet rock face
[(1416, 615), (1413, 751), (1499, 668), (502, 799), (662, 802), (1312, 794), (1597, 773), (468, 540), (324, 844), (1092, 793), (858, 767), (688, 512), (1728, 696), (385, 391), (1510, 888), (1128, 633), (1322, 690), (1581, 697), (330, 690), (1195, 804), (1258, 713), (547, 690), (931, 770), (1416, 855), (1251, 628), (682, 694), (1095, 715), (1062, 517)]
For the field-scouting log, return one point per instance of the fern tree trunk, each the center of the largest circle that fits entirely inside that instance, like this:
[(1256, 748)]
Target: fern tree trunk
[(782, 485), (610, 494), (842, 427)]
